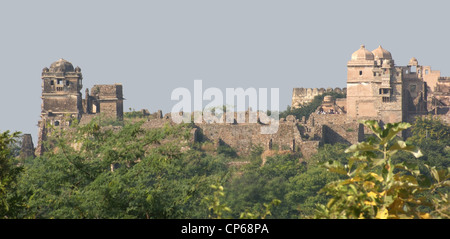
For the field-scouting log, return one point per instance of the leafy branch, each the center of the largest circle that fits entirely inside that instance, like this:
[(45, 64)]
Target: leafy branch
[(377, 188)]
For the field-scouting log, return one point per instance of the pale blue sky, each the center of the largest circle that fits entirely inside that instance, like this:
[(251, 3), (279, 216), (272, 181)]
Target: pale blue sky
[(153, 47)]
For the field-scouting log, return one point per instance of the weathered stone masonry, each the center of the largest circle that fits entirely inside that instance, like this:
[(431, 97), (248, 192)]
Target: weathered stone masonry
[(62, 100), (376, 89)]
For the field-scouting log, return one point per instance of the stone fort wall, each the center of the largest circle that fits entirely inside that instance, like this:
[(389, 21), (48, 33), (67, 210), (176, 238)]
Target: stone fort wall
[(293, 134), (334, 128), (243, 137)]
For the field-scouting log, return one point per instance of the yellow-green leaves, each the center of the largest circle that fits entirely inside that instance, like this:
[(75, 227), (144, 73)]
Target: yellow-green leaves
[(401, 145), (391, 130), (362, 146), (376, 188), (217, 208)]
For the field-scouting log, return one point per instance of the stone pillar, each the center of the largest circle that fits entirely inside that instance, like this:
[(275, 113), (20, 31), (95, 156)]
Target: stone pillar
[(27, 147), (159, 114)]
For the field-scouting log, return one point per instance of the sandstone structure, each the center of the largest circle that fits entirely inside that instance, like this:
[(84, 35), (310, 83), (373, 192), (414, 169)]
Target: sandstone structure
[(27, 149), (376, 89), (62, 101), (243, 137), (302, 96)]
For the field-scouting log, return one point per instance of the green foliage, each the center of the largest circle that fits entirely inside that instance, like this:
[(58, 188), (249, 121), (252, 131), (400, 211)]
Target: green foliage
[(329, 152), (10, 201), (375, 187), (309, 108), (95, 171), (294, 185), (100, 171), (262, 214), (433, 138), (133, 114), (303, 191), (216, 208), (253, 191), (428, 127), (227, 151)]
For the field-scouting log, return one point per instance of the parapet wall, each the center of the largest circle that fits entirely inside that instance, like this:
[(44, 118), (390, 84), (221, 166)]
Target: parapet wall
[(107, 91), (334, 128), (244, 136), (301, 96)]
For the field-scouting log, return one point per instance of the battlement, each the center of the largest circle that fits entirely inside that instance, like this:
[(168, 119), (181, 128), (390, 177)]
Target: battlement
[(107, 91), (376, 89), (301, 96), (244, 136), (444, 79)]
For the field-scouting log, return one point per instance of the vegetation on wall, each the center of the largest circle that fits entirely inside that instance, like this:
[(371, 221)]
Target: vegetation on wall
[(309, 108)]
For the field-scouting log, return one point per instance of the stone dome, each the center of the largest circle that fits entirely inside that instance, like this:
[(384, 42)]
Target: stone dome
[(61, 65), (413, 62), (381, 53), (363, 54)]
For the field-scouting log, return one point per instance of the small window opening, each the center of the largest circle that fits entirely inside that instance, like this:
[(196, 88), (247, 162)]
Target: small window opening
[(360, 73), (384, 91)]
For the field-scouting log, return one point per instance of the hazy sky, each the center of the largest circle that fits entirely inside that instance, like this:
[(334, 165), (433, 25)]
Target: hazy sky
[(153, 47)]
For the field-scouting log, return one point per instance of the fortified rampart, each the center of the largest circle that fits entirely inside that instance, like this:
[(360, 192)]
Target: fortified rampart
[(334, 128), (376, 89), (293, 134), (243, 137)]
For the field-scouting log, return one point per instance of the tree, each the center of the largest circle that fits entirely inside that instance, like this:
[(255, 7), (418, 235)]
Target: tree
[(10, 201), (429, 127), (433, 137), (255, 187), (377, 188), (95, 171)]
